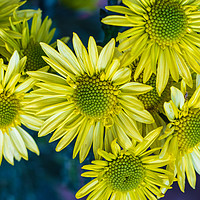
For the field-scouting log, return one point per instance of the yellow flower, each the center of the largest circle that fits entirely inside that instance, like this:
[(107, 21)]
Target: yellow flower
[(163, 33), (127, 174), (93, 97), (183, 134), (14, 140), (27, 41)]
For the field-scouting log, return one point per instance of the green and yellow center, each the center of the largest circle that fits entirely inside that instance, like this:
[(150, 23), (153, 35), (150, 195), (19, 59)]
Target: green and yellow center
[(125, 173), (34, 55), (151, 100), (187, 129), (167, 22), (95, 98), (9, 107)]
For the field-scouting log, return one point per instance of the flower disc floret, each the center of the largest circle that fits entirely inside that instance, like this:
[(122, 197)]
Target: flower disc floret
[(187, 129), (125, 173), (95, 98), (34, 55), (166, 22), (9, 107)]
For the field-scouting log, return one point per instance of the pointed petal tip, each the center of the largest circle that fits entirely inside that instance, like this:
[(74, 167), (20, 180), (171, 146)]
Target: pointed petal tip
[(12, 163), (159, 91), (91, 38), (159, 129), (40, 134), (75, 35), (51, 140), (59, 42), (57, 149), (81, 160), (37, 153), (42, 43)]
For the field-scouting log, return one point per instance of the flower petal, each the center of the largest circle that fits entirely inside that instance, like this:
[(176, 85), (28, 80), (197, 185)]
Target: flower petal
[(134, 88), (106, 55), (177, 97), (28, 140), (18, 142)]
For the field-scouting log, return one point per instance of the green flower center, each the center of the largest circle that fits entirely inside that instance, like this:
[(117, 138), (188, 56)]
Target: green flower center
[(95, 98), (187, 130), (166, 22), (151, 100), (9, 107), (125, 173), (34, 55)]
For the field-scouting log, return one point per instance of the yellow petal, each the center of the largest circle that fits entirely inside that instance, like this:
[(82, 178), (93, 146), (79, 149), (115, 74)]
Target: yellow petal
[(134, 7), (31, 122), (12, 67), (18, 142), (115, 148), (98, 137), (177, 97), (121, 76), (8, 149), (82, 55), (67, 53), (194, 100), (67, 139), (28, 140), (169, 110), (189, 168), (117, 20), (119, 9), (1, 145), (47, 77), (123, 139), (162, 73), (86, 189), (148, 140), (52, 123), (93, 53), (85, 127), (106, 55), (85, 147), (134, 88)]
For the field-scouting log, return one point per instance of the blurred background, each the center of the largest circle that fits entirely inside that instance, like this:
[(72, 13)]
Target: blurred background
[(56, 176)]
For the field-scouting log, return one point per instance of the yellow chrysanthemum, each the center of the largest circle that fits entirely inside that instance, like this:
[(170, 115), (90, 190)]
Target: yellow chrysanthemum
[(163, 33), (127, 174), (28, 44), (14, 140), (93, 97), (183, 134)]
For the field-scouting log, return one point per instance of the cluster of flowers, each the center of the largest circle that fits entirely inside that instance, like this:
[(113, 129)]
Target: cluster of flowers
[(136, 103)]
